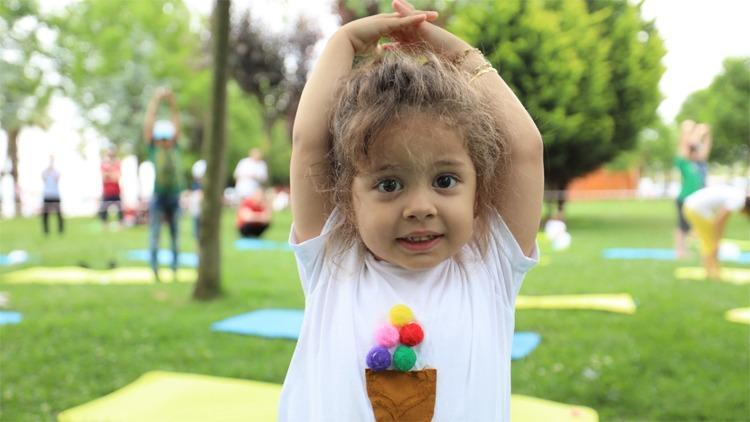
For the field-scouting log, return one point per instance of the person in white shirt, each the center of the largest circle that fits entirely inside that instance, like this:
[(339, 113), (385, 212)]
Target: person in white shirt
[(708, 211), (51, 197), (416, 180), (250, 174)]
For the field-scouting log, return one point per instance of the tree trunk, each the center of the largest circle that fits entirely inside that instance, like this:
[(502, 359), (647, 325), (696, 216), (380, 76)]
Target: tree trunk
[(13, 155), (208, 284)]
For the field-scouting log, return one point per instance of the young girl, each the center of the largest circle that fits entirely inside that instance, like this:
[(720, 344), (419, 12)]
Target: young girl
[(416, 180)]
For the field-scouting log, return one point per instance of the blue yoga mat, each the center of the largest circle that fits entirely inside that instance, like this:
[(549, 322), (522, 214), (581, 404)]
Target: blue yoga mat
[(286, 323), (273, 323), (13, 258), (250, 244), (164, 256), (524, 342), (9, 317), (662, 255)]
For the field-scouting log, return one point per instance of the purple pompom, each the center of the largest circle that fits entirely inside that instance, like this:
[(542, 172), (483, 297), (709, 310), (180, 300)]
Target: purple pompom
[(378, 358)]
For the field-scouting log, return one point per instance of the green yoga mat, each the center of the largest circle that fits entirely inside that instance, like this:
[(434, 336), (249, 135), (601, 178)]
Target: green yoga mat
[(726, 275), (170, 396), (78, 275)]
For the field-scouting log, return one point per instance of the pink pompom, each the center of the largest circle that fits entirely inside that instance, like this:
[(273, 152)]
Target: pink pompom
[(387, 335)]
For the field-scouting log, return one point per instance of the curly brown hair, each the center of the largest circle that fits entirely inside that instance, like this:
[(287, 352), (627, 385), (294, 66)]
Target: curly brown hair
[(393, 86)]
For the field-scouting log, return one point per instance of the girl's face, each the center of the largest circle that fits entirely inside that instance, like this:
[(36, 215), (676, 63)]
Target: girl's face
[(414, 199)]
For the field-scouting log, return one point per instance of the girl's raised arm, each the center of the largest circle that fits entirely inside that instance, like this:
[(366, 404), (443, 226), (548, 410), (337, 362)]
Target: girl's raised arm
[(310, 136), (520, 203)]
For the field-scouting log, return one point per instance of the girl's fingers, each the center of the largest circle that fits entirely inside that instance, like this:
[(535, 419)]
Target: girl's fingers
[(405, 9), (405, 21), (405, 4)]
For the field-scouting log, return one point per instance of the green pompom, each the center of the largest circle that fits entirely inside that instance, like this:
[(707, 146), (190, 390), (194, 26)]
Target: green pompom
[(404, 358)]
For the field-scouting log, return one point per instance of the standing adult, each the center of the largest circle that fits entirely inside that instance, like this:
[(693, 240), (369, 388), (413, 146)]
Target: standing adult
[(250, 174), (110, 169), (195, 196), (692, 162), (51, 197), (163, 151), (708, 211)]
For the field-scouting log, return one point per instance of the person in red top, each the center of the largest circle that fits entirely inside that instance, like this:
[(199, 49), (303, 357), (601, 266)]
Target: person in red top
[(110, 186), (253, 215)]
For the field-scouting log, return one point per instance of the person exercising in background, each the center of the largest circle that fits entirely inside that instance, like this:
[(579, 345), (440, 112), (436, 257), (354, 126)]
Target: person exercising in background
[(708, 211), (163, 151), (110, 186), (692, 162)]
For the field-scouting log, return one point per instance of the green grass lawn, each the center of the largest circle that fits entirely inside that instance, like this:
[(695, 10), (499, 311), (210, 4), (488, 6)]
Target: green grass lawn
[(675, 359)]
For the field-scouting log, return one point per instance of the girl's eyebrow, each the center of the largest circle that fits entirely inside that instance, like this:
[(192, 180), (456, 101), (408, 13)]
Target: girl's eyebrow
[(449, 163), (385, 168)]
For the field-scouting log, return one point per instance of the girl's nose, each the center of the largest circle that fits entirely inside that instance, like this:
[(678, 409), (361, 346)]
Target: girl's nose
[(419, 206)]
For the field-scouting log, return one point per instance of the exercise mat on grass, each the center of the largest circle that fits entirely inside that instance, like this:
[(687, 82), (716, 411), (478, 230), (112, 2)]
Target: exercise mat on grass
[(251, 244), (164, 257), (741, 315), (620, 303), (727, 275), (78, 275)]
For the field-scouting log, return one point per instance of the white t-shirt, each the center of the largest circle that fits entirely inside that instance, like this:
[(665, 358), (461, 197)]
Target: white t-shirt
[(708, 201), (466, 309), (51, 186), (249, 175)]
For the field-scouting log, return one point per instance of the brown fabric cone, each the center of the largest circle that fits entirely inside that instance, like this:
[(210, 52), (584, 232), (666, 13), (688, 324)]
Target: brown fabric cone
[(402, 396)]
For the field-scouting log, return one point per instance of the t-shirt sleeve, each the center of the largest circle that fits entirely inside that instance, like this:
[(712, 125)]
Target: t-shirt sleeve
[(735, 200), (506, 261), (310, 254)]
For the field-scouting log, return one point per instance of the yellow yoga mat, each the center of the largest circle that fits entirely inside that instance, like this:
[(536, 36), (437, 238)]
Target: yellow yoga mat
[(727, 275), (532, 409), (78, 275), (170, 396), (741, 315), (621, 303)]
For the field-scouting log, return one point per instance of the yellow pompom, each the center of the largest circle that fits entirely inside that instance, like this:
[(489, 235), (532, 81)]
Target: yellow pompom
[(401, 315)]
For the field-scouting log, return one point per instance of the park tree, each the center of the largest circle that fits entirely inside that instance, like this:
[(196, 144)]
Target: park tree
[(725, 105), (273, 67), (553, 56), (208, 284), (27, 75), (114, 56)]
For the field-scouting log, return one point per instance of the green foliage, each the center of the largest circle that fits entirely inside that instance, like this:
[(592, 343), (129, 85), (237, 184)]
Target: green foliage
[(725, 105), (114, 57), (279, 154), (244, 127), (25, 92), (675, 359), (586, 77)]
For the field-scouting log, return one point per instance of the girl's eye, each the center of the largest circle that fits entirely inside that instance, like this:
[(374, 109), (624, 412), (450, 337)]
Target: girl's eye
[(388, 185), (445, 181)]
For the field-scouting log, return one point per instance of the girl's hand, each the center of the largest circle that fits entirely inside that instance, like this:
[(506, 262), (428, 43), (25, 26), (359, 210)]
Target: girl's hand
[(365, 33), (437, 38)]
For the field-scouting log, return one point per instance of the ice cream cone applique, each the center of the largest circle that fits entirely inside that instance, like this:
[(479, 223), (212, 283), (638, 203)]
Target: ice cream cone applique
[(399, 394)]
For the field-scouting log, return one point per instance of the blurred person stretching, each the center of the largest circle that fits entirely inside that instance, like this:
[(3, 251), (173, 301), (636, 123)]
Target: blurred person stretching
[(708, 211), (161, 137), (692, 162)]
